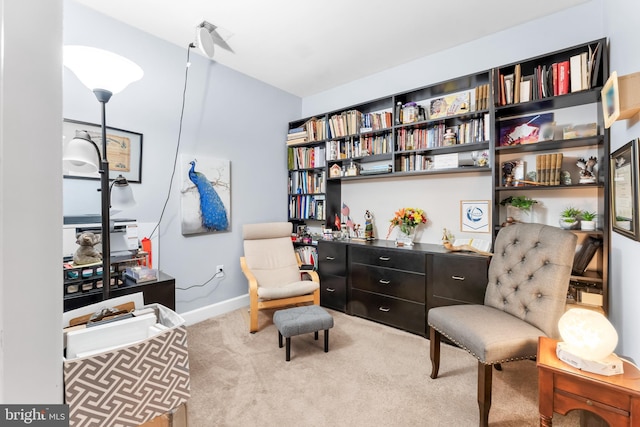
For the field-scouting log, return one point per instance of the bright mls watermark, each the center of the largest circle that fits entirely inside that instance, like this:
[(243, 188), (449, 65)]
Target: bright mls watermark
[(34, 415)]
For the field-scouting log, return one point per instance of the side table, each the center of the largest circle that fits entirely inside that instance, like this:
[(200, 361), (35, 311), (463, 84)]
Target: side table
[(562, 388)]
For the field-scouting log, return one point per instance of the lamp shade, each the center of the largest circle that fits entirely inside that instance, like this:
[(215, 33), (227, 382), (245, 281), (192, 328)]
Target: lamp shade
[(588, 334), (81, 154), (121, 194), (101, 69)]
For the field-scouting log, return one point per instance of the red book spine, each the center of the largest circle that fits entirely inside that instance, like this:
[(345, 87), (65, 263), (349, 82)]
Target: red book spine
[(563, 77)]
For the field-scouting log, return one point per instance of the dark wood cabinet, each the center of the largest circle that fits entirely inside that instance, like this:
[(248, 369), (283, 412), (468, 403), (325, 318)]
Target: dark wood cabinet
[(397, 286), (456, 279), (332, 261), (161, 291)]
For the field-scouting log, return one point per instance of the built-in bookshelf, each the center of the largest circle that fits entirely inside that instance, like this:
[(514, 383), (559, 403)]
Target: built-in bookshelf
[(538, 118), (548, 122)]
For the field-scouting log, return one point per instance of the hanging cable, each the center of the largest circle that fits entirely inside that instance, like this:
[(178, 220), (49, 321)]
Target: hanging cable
[(175, 159)]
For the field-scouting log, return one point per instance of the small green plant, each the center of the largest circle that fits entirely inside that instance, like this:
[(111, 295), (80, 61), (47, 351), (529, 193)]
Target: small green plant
[(520, 202), (588, 216), (570, 212)]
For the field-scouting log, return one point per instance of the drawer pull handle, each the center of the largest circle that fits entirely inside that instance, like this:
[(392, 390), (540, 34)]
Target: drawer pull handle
[(330, 290), (589, 402), (330, 258), (384, 258), (385, 309), (457, 277), (384, 282)]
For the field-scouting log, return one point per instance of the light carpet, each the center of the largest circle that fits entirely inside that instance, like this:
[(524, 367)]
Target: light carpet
[(372, 375)]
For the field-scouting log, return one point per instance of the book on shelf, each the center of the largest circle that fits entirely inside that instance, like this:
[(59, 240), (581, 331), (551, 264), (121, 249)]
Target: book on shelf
[(548, 168), (595, 64), (563, 77), (525, 89), (575, 73), (516, 83)]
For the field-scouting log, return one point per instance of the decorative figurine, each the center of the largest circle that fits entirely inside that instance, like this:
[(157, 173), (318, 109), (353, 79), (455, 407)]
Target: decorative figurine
[(368, 225), (587, 173)]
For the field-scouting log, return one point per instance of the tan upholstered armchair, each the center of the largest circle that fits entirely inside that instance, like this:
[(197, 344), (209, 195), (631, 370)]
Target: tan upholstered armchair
[(525, 297), (273, 270)]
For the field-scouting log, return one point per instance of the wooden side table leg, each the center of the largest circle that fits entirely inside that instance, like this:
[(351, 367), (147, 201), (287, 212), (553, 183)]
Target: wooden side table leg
[(545, 397)]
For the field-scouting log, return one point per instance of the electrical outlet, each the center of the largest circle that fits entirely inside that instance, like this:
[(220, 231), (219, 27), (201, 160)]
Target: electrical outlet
[(219, 269)]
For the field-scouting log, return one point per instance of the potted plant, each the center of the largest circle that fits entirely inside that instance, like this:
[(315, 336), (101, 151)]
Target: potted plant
[(588, 220), (569, 218), (516, 205)]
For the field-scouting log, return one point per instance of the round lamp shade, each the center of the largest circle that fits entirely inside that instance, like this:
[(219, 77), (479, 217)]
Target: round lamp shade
[(101, 69), (588, 334), (81, 154), (122, 196)]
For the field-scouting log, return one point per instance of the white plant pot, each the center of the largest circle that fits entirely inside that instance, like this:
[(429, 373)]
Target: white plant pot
[(587, 225), (569, 223)]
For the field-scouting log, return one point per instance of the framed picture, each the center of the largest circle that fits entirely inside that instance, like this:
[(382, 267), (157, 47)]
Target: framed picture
[(610, 100), (124, 150), (474, 216), (624, 190), (527, 129)]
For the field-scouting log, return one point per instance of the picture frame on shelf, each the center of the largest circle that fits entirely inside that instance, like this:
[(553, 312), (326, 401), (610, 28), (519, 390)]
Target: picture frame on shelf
[(474, 216), (624, 190), (124, 150), (526, 129), (610, 100)]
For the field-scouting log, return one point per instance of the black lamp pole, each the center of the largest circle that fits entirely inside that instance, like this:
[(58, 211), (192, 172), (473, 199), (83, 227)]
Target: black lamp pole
[(103, 97)]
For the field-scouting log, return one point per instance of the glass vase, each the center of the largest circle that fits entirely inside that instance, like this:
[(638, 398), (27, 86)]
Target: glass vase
[(405, 236)]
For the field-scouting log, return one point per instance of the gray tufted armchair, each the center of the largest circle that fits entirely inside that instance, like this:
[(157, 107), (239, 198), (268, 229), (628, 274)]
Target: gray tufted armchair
[(525, 297)]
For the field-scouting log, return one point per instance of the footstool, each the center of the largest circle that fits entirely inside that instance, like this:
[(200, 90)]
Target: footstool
[(302, 320)]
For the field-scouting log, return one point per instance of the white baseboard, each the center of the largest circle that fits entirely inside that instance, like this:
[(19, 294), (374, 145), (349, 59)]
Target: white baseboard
[(213, 310)]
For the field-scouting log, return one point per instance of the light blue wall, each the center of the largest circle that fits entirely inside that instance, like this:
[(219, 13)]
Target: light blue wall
[(621, 23), (227, 115)]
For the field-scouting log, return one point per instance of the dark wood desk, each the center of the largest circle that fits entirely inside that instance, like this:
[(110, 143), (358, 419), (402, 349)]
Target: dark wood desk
[(562, 388), (161, 291)]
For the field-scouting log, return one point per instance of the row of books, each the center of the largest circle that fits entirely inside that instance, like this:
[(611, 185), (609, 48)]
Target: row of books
[(548, 167), (482, 97), (576, 73), (361, 147), (345, 123), (376, 121), (307, 182), (306, 157), (414, 162), (307, 207)]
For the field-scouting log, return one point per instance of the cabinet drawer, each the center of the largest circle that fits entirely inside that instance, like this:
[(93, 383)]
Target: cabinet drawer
[(387, 281), (400, 258), (333, 292), (396, 312), (332, 258), (458, 279)]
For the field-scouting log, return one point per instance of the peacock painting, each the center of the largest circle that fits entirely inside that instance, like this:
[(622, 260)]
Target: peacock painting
[(204, 193)]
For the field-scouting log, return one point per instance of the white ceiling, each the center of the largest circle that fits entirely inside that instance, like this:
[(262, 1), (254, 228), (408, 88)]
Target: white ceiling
[(305, 47)]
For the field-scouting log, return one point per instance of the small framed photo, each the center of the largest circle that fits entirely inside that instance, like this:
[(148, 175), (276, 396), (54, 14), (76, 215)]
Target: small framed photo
[(474, 216), (124, 150), (610, 100)]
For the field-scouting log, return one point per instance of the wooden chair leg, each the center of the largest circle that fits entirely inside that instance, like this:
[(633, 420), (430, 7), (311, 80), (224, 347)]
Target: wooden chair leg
[(326, 340), (484, 392), (434, 351)]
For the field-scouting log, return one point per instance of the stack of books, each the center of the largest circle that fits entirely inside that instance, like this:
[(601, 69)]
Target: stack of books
[(548, 168)]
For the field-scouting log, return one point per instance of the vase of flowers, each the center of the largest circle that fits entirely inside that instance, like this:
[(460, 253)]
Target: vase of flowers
[(407, 220)]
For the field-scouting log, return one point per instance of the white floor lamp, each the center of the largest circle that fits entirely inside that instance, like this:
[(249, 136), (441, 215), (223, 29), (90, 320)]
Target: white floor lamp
[(104, 73)]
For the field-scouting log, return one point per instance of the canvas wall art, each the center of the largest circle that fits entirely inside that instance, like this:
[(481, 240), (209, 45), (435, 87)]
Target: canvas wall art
[(205, 194)]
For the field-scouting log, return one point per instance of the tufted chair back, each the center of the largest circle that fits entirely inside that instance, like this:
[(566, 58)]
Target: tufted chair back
[(523, 276)]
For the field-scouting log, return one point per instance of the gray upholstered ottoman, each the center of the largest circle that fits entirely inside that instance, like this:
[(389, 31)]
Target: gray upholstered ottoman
[(302, 320)]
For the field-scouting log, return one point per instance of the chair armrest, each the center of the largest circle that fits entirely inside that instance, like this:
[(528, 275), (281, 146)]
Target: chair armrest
[(253, 282), (313, 275)]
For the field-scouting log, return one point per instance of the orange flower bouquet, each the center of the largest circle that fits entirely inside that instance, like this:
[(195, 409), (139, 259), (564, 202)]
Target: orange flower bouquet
[(407, 219)]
